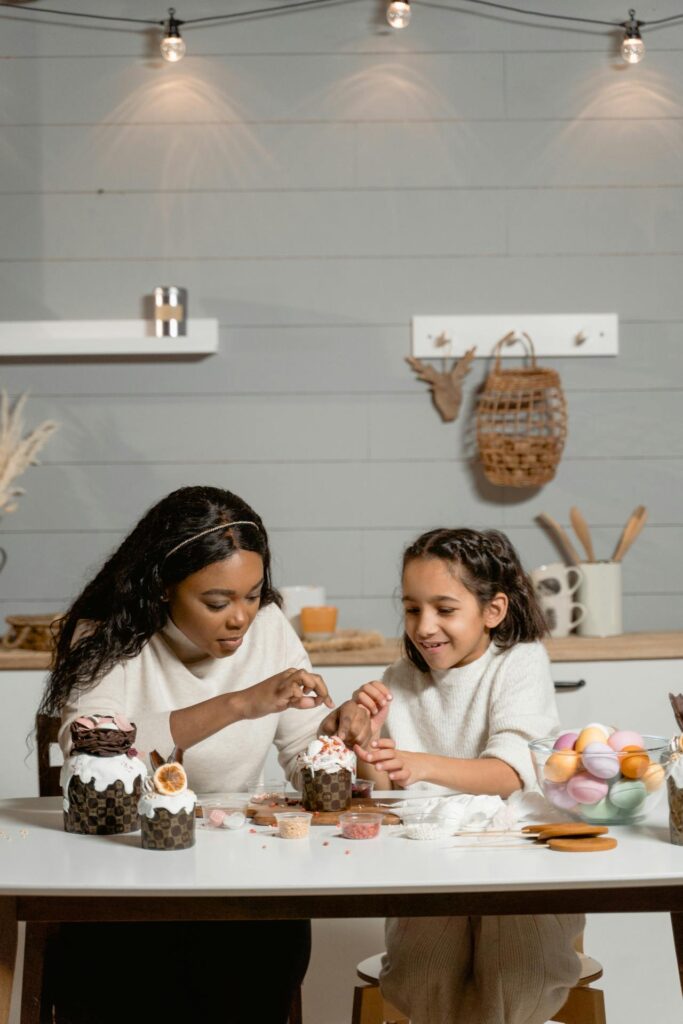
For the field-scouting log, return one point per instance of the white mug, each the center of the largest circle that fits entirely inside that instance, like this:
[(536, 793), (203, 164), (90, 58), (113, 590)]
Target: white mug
[(555, 579), (555, 584), (600, 592), (296, 598), (561, 614)]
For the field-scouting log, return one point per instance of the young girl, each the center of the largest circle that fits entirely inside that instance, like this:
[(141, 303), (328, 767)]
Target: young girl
[(457, 713), (181, 632)]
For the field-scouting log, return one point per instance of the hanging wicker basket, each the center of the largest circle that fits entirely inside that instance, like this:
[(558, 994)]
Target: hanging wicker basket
[(521, 422)]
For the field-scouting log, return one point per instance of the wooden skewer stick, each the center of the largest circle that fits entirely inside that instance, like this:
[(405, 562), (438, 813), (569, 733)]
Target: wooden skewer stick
[(582, 532)]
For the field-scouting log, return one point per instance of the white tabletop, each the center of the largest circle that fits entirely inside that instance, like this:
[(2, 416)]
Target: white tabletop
[(37, 858)]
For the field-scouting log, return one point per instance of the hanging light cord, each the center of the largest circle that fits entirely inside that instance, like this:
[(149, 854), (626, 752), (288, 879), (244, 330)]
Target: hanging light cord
[(298, 4)]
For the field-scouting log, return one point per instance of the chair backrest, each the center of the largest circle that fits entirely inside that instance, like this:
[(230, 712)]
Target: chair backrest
[(47, 730)]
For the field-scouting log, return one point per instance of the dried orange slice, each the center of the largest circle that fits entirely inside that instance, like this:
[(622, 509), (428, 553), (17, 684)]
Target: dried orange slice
[(170, 778)]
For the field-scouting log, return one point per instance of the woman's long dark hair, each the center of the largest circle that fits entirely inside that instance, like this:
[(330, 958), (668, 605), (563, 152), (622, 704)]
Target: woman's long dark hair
[(123, 606), (486, 564)]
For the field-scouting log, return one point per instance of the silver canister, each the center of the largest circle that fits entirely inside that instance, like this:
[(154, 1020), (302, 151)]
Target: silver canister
[(170, 312)]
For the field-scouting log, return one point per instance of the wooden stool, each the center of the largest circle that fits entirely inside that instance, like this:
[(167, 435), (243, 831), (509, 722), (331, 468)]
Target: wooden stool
[(584, 1005)]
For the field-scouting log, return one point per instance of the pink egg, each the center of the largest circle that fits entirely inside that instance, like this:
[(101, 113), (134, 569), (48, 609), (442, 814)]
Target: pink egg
[(625, 738), (566, 741), (558, 795), (586, 789), (600, 760)]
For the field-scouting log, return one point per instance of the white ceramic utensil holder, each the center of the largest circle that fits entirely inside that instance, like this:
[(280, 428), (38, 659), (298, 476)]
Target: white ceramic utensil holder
[(600, 593)]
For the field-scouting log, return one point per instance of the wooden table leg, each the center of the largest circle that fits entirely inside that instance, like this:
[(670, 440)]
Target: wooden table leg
[(8, 952), (677, 925)]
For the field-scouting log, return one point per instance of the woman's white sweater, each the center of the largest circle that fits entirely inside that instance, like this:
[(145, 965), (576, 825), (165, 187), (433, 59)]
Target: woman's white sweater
[(171, 673)]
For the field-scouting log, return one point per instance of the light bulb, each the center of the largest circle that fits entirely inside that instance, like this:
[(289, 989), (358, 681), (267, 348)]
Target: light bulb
[(633, 47), (398, 13), (172, 45)]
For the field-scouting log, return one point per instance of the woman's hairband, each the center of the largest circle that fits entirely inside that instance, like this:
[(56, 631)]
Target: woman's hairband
[(212, 529)]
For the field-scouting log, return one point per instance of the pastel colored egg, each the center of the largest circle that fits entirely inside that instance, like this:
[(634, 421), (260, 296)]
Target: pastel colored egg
[(607, 729), (623, 738), (627, 795), (602, 813), (653, 777), (557, 794), (600, 760), (592, 734), (634, 761), (586, 789), (566, 741), (561, 765)]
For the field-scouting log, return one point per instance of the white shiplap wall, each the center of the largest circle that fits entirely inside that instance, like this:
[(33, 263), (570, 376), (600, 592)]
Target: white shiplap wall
[(314, 180)]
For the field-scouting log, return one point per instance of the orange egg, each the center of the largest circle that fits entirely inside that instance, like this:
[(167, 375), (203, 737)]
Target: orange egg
[(635, 764), (591, 734), (561, 765), (653, 777)]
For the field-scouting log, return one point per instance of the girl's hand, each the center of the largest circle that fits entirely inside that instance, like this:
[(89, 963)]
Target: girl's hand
[(350, 722), (404, 767), (293, 688), (375, 697)]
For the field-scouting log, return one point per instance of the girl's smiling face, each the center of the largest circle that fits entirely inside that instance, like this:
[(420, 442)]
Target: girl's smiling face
[(443, 619), (215, 607)]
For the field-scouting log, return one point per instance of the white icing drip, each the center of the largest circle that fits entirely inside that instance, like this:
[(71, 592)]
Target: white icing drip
[(328, 754), (174, 802), (101, 771)]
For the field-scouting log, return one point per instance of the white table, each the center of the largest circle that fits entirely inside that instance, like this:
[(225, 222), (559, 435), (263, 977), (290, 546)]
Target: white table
[(47, 875)]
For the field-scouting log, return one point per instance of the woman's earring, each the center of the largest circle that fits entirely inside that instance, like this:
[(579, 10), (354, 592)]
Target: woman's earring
[(164, 598)]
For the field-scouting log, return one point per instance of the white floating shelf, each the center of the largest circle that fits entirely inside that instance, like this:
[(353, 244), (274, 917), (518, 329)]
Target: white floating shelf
[(560, 334), (103, 338)]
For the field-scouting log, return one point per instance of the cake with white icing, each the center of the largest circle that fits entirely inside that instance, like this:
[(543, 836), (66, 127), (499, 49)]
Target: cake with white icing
[(167, 809), (102, 777), (327, 767)]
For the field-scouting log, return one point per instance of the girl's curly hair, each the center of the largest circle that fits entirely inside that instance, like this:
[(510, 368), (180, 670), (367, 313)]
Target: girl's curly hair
[(487, 564), (123, 606)]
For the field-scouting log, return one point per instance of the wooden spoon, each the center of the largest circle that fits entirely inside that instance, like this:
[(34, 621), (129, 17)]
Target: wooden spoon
[(568, 550), (634, 525), (582, 532)]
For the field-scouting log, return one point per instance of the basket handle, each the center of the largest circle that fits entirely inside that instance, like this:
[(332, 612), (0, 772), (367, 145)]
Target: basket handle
[(510, 339)]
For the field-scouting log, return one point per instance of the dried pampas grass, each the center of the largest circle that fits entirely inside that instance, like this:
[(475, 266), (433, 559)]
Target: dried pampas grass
[(17, 453)]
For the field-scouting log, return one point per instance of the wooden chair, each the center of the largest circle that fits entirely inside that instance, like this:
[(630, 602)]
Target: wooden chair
[(584, 1005)]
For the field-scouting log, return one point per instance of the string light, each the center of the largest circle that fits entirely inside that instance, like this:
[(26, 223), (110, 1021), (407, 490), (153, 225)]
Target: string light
[(172, 45), (633, 47), (398, 16), (398, 13)]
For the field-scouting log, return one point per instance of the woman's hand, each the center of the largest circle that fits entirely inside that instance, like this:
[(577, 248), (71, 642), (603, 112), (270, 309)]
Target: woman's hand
[(404, 767), (375, 698), (293, 688), (350, 722)]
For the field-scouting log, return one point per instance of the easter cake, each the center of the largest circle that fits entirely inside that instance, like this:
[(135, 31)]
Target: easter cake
[(167, 808), (102, 778), (327, 768)]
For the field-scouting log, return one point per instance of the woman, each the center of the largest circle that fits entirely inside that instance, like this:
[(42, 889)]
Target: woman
[(181, 632)]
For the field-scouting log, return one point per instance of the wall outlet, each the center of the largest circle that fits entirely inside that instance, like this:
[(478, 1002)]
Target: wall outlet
[(560, 334)]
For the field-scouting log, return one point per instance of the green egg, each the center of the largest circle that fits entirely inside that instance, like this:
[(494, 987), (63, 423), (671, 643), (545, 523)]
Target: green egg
[(601, 813), (627, 795)]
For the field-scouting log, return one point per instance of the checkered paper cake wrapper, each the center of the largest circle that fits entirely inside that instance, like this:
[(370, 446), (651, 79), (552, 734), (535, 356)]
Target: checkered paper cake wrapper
[(675, 811), (323, 791), (167, 831), (109, 812)]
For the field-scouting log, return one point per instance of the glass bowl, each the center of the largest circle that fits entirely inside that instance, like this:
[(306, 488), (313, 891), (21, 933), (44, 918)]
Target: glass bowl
[(293, 824), (224, 810), (360, 824), (603, 786)]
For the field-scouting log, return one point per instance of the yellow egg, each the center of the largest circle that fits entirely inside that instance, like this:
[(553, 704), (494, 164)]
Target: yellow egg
[(591, 734), (653, 777), (634, 762), (561, 765)]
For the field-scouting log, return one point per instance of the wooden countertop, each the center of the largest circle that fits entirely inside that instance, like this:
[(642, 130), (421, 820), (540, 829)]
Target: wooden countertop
[(627, 647)]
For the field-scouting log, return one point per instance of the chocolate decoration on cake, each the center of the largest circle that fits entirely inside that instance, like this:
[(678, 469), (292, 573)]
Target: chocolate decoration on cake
[(104, 738)]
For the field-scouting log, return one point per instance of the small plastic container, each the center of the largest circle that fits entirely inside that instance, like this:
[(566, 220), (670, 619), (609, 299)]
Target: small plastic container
[(272, 793), (293, 824), (426, 825), (362, 788), (224, 811), (360, 825)]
